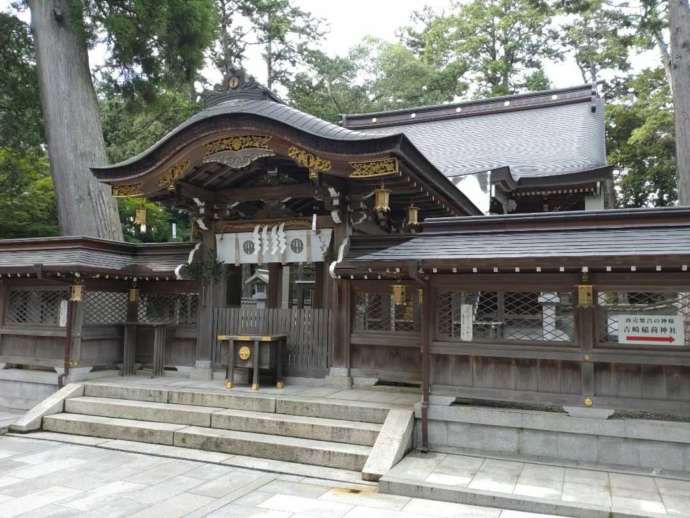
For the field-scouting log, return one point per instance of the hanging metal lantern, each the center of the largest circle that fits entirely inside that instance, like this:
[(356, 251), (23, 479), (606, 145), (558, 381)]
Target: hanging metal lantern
[(75, 293), (382, 197), (140, 216), (399, 294), (412, 216)]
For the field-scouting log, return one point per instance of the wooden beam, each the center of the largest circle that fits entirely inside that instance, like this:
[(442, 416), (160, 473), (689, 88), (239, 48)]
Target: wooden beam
[(269, 192), (186, 190)]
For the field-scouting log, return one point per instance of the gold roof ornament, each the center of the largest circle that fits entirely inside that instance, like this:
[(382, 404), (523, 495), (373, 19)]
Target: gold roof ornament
[(169, 177), (237, 143), (374, 168), (314, 163), (128, 190)]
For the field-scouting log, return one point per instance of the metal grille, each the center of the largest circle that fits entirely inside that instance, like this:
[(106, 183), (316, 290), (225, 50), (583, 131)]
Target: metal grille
[(34, 306), (178, 308), (498, 315), (105, 307), (378, 312), (614, 304)]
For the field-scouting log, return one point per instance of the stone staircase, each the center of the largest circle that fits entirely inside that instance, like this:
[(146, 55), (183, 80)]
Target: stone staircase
[(323, 432)]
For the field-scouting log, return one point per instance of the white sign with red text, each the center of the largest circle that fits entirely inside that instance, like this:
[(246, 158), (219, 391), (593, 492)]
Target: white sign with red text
[(651, 329)]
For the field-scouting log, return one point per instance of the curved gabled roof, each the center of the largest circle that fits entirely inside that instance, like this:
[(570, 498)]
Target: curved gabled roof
[(275, 111)]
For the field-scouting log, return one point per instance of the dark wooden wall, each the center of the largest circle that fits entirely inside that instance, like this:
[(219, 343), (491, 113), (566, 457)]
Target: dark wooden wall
[(650, 378)]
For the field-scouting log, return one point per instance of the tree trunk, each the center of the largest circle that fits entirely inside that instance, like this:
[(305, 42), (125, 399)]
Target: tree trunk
[(680, 72), (72, 123)]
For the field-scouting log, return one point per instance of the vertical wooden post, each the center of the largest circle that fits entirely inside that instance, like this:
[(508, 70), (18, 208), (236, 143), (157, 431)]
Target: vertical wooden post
[(340, 357), (204, 342), (585, 315), (275, 274)]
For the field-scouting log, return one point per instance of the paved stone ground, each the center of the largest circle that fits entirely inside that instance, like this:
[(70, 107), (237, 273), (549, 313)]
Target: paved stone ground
[(616, 491), (41, 478), (7, 416)]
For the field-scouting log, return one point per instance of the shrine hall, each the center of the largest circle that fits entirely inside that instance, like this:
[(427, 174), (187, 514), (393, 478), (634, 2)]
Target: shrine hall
[(469, 250)]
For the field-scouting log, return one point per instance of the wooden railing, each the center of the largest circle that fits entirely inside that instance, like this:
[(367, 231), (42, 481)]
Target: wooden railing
[(309, 334)]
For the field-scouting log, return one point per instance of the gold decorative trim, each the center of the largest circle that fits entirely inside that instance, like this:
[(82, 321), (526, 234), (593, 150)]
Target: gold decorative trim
[(128, 190), (236, 143), (168, 178), (374, 168), (312, 162)]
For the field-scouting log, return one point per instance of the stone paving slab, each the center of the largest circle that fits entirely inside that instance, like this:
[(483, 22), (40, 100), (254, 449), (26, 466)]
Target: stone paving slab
[(95, 482), (522, 486)]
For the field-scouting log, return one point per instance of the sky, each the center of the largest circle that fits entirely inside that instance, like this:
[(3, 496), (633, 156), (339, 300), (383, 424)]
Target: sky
[(350, 21)]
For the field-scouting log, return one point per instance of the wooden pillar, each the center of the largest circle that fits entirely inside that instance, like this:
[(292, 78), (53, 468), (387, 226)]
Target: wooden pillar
[(321, 285), (129, 337), (339, 297), (275, 285), (204, 328), (585, 325)]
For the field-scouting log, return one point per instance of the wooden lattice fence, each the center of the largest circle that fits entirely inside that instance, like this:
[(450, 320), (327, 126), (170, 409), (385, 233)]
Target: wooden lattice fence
[(309, 334)]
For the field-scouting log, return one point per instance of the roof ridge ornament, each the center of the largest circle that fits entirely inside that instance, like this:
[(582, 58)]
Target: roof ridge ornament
[(237, 84)]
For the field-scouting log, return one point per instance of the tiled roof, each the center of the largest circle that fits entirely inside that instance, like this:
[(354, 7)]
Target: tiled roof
[(579, 234), (535, 135), (77, 254)]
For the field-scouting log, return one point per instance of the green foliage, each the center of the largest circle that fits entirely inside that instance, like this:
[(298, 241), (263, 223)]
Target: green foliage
[(599, 36), (27, 197), (501, 43), (376, 75), (20, 105), (159, 220), (150, 42), (285, 33), (640, 141), (130, 127)]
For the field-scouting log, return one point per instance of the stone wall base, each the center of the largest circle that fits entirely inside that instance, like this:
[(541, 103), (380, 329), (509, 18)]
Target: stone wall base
[(552, 436)]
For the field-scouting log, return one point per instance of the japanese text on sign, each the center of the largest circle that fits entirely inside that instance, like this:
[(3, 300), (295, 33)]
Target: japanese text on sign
[(651, 329)]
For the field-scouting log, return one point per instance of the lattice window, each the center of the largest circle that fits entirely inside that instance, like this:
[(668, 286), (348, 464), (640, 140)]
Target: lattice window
[(177, 308), (105, 307), (377, 311), (615, 305), (36, 306), (510, 316)]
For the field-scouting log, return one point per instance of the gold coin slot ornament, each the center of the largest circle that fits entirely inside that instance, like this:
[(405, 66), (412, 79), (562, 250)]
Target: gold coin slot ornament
[(244, 353)]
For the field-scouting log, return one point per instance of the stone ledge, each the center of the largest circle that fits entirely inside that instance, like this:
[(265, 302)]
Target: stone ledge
[(640, 429), (414, 489), (54, 404), (393, 442)]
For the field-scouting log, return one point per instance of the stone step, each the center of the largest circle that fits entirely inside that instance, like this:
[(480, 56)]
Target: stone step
[(324, 408), (112, 428), (362, 412), (289, 449), (333, 430), (318, 428), (141, 410)]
